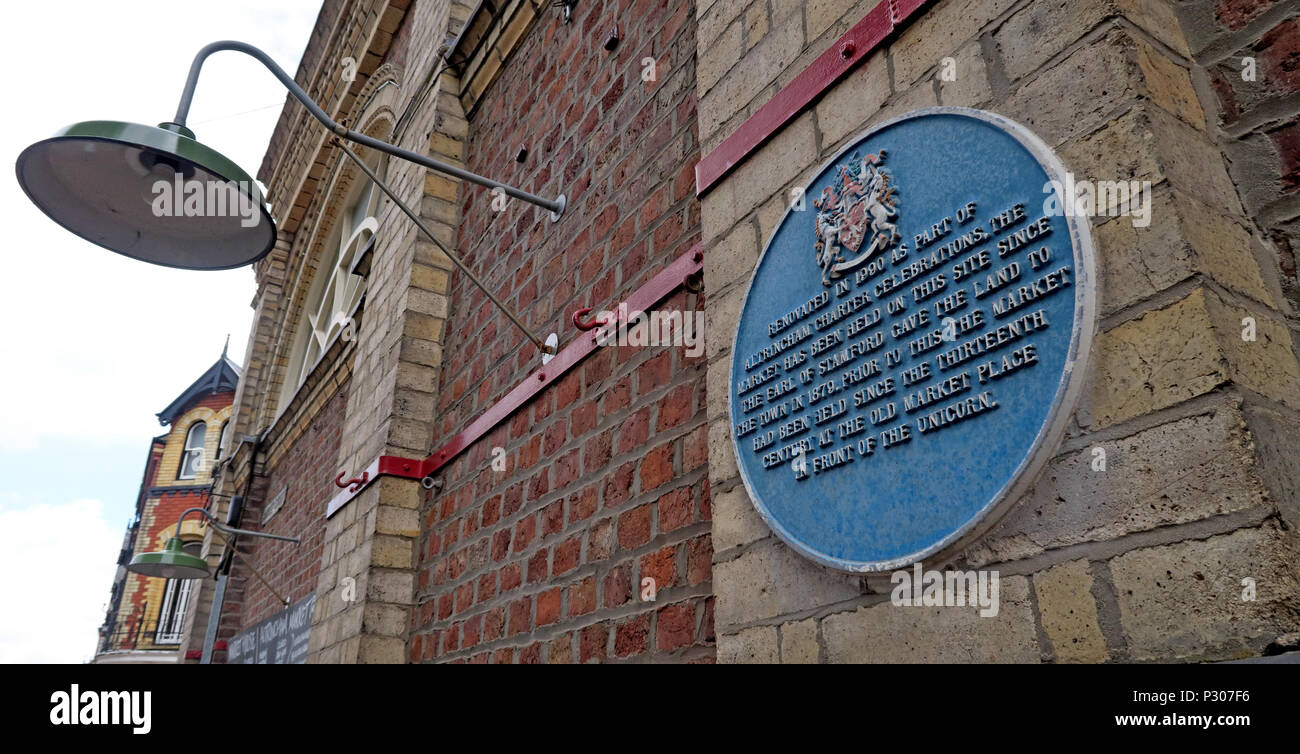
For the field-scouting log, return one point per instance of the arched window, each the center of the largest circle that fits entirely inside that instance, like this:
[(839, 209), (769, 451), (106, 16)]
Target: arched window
[(221, 440), (192, 456), (335, 293)]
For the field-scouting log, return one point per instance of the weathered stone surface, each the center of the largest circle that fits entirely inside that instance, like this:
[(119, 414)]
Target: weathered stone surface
[(940, 31), (732, 260), (1222, 248), (1076, 95), (388, 551), (400, 521), (847, 107), (885, 633), (770, 579), (385, 620), (1183, 236), (1042, 29), (718, 389), (1155, 361), (753, 645), (970, 84), (799, 643), (1191, 162), (771, 214), (722, 458), (920, 95), (724, 312), (1184, 601), (1266, 364), (1069, 613), (1190, 469), (1277, 462), (1169, 85), (1148, 144), (743, 82), (1136, 262), (772, 168), (820, 15), (716, 16), (735, 522), (718, 57), (389, 586), (374, 649), (718, 211)]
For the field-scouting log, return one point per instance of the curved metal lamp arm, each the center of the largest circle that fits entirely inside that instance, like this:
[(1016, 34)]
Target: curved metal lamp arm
[(555, 206), (231, 530)]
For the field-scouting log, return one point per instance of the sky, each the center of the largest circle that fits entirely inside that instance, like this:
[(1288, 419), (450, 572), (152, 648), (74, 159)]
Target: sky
[(94, 343)]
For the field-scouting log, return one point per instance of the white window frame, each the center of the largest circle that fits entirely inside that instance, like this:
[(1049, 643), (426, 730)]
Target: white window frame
[(171, 618), (190, 452), (335, 293)]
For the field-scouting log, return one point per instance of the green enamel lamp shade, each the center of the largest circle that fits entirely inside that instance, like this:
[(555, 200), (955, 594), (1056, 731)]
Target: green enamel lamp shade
[(150, 193), (172, 562)]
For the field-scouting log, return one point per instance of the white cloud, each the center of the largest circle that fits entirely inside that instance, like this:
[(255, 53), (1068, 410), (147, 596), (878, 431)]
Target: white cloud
[(56, 572)]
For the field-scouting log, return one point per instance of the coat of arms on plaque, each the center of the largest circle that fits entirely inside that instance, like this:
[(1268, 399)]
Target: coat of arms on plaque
[(853, 215)]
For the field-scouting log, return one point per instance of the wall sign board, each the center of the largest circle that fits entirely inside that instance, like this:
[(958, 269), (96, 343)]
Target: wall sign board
[(912, 341), (278, 640)]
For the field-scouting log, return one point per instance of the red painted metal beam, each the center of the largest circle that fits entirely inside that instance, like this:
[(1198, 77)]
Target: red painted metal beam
[(643, 299), (842, 57)]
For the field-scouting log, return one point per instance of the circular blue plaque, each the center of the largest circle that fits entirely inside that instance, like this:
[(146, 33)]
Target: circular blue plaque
[(912, 341)]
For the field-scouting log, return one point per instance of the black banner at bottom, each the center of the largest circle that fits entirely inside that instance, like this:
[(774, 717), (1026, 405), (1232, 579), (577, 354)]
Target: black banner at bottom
[(50, 704)]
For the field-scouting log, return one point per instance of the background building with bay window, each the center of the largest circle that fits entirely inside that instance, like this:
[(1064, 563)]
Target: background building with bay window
[(146, 616)]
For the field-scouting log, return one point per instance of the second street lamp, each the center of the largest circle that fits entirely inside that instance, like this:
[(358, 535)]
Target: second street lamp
[(173, 562)]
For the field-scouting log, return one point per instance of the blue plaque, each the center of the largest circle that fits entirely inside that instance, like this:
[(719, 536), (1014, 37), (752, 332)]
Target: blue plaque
[(912, 342)]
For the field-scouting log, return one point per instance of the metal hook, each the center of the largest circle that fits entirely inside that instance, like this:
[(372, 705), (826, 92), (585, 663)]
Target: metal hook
[(589, 324), (353, 484)]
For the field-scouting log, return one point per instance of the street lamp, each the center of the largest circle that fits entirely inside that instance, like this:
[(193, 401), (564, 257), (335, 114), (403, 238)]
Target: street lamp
[(102, 181), (172, 562), (98, 180)]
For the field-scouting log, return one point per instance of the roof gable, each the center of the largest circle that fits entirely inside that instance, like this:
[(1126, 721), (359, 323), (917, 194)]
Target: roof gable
[(221, 376)]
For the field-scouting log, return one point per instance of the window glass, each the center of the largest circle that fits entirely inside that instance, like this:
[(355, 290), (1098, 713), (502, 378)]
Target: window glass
[(192, 456), (335, 293)]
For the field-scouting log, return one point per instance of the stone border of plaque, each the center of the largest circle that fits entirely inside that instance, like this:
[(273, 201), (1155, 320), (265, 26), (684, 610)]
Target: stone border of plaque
[(1051, 432)]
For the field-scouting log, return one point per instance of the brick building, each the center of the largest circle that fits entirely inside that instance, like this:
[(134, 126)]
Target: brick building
[(146, 615), (461, 500)]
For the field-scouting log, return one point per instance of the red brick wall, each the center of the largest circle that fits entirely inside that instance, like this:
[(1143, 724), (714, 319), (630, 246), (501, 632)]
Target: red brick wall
[(307, 469), (606, 471)]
